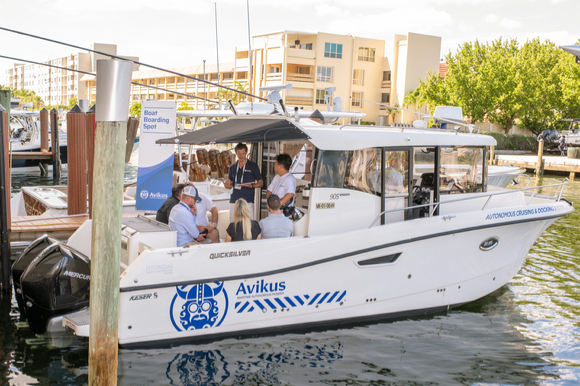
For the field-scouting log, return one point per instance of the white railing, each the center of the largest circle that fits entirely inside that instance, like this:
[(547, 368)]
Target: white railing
[(489, 195)]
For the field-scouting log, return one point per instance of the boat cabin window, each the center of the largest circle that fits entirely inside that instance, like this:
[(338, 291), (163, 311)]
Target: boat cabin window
[(361, 170), (461, 170)]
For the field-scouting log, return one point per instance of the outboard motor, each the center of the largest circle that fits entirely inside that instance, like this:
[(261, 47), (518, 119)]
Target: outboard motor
[(23, 261), (55, 283)]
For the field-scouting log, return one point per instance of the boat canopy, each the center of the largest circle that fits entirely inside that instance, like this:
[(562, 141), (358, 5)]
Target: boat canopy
[(325, 137)]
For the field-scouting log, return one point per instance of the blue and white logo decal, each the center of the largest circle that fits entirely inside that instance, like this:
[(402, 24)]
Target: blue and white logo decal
[(199, 306)]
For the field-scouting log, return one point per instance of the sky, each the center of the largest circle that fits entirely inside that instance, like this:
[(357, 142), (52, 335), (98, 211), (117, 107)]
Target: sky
[(177, 33)]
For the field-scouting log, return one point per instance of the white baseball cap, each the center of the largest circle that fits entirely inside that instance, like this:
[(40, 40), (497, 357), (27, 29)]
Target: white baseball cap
[(191, 191)]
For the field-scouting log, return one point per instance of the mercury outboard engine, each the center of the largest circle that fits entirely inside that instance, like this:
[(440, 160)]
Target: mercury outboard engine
[(26, 257), (55, 283)]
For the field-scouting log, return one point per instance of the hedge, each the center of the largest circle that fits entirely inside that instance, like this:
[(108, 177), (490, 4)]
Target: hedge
[(513, 141)]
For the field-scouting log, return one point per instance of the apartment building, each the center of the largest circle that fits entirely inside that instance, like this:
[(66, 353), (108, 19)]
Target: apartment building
[(54, 85), (313, 62)]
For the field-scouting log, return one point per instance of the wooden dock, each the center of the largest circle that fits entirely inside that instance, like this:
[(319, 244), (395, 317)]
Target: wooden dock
[(29, 228), (551, 163)]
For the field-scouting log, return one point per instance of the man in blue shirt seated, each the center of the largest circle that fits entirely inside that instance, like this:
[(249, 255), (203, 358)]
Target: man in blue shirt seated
[(182, 218), (275, 225)]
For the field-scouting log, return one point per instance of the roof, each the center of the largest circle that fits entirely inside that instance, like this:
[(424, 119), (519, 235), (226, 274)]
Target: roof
[(326, 137)]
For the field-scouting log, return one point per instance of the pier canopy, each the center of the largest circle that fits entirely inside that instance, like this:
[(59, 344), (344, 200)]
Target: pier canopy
[(243, 129)]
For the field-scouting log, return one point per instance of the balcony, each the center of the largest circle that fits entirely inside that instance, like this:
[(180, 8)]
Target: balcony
[(294, 77), (301, 54), (298, 101), (386, 84), (274, 77)]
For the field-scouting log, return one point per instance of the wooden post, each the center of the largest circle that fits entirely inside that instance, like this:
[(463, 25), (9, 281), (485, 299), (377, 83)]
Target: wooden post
[(539, 164), (132, 126), (113, 90), (55, 144), (572, 175), (5, 98), (5, 218), (491, 154), (90, 135), (77, 161), (44, 147)]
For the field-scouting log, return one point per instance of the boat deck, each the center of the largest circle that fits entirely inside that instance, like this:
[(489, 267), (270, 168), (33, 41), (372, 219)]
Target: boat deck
[(29, 228)]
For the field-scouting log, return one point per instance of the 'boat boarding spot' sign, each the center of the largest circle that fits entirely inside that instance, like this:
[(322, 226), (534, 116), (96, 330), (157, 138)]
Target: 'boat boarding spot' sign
[(155, 173)]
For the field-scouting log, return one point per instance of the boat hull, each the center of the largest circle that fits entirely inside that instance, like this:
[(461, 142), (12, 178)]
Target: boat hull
[(259, 287)]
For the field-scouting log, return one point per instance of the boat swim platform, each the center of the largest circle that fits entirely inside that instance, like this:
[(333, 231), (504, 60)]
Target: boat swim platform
[(60, 227), (550, 163)]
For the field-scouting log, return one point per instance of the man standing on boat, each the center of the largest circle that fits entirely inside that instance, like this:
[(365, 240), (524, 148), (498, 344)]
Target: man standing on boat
[(182, 218), (284, 184), (244, 176)]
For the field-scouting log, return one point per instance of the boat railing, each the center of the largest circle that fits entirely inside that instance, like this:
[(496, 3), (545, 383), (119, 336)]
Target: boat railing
[(433, 206)]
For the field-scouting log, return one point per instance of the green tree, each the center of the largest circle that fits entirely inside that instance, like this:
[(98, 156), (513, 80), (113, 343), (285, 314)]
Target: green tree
[(72, 102), (135, 110), (236, 97), (28, 96)]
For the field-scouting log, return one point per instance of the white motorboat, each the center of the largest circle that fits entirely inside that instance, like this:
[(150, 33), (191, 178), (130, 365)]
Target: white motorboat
[(25, 136), (366, 246)]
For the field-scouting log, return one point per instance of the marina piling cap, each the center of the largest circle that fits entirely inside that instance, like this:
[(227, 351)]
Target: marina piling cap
[(191, 191), (113, 90)]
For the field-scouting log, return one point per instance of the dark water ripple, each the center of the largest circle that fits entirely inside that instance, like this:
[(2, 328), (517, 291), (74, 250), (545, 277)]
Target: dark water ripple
[(526, 333)]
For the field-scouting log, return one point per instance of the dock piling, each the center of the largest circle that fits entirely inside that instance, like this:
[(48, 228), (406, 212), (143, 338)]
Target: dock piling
[(5, 217), (77, 161), (90, 135), (44, 147), (491, 155), (540, 165), (113, 91), (55, 144)]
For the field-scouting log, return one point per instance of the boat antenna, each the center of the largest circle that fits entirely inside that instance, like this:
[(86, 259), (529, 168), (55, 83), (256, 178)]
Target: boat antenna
[(217, 54), (134, 61), (250, 70), (92, 73), (232, 107)]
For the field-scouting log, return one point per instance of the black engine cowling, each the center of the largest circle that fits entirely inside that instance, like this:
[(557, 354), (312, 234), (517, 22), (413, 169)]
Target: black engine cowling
[(55, 283)]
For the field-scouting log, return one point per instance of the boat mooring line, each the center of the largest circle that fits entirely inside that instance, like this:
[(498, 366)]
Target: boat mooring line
[(328, 259), (134, 61)]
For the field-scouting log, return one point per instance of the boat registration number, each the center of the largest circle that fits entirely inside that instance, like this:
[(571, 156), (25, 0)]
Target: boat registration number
[(325, 205)]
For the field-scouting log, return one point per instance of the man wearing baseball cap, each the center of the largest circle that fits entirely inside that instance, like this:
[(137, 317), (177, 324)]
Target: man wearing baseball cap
[(182, 218)]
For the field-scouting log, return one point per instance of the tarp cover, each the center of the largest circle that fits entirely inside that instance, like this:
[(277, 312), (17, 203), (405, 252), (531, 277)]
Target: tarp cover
[(242, 129)]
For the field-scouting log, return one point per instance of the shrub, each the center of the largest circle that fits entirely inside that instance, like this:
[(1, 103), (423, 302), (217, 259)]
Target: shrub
[(513, 142)]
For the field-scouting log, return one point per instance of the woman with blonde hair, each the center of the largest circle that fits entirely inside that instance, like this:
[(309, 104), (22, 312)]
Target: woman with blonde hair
[(243, 227)]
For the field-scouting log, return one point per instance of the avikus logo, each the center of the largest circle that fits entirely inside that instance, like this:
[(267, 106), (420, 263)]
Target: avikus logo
[(260, 287)]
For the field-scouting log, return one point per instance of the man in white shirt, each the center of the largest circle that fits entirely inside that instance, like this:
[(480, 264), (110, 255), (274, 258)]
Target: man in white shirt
[(203, 205), (182, 218), (284, 184)]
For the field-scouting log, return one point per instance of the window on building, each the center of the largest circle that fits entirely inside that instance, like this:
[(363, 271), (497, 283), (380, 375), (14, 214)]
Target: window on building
[(320, 94), (386, 76), (366, 54), (358, 77), (304, 70), (274, 69), (214, 77), (385, 97), (228, 75), (333, 50), (324, 74), (357, 99)]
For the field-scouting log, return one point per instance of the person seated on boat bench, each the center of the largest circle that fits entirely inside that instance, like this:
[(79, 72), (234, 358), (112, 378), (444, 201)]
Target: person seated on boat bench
[(276, 224), (182, 218), (201, 218), (243, 227), (284, 184), (165, 209)]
